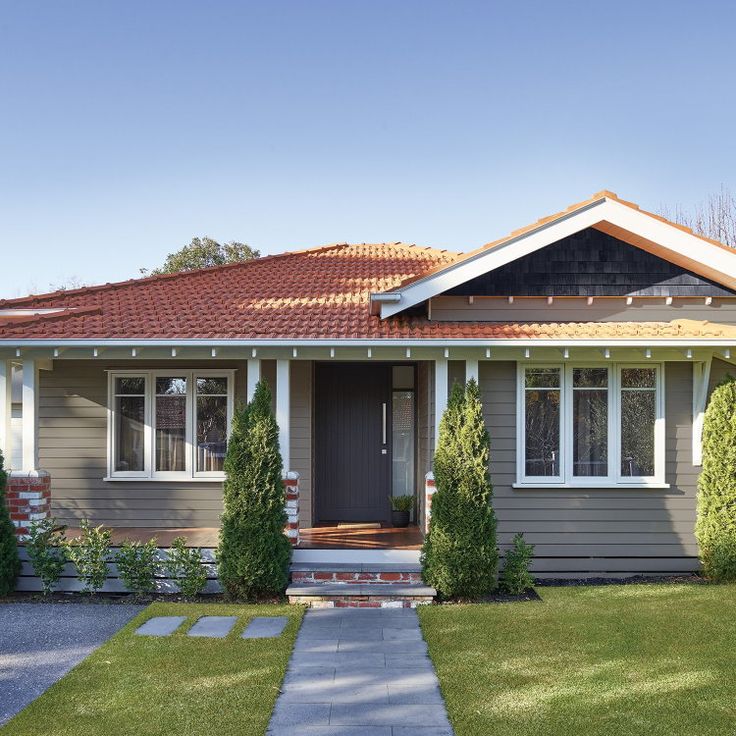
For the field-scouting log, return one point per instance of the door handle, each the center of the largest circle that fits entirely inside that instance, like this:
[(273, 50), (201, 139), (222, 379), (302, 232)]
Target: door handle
[(383, 409)]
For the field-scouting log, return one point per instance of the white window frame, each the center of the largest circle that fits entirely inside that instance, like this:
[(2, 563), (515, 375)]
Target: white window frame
[(614, 478), (150, 473)]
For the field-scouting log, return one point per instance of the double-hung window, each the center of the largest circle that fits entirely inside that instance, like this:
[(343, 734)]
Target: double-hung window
[(169, 425), (590, 425)]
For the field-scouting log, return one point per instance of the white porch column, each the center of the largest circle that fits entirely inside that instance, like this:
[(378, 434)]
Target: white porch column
[(6, 382), (701, 379), (440, 395), (283, 417), (30, 416), (254, 375), (471, 370)]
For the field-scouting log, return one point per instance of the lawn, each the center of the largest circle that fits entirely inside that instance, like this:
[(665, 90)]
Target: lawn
[(174, 685), (614, 660)]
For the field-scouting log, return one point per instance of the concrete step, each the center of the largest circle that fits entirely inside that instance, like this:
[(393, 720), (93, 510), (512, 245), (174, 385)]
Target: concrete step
[(356, 556), (360, 573), (360, 595)]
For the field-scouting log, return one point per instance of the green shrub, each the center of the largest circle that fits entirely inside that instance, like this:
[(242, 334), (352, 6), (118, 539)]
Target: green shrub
[(89, 553), (401, 503), (47, 552), (184, 566), (9, 560), (515, 577), (137, 565), (459, 556), (254, 553), (716, 522)]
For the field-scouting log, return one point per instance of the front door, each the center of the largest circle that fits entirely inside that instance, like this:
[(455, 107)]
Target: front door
[(352, 442)]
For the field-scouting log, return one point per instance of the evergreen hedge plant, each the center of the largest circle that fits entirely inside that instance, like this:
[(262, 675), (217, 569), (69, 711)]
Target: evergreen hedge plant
[(9, 560), (459, 556), (716, 523), (254, 552)]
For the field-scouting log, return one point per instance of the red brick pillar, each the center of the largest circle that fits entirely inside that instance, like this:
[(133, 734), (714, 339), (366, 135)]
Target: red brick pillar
[(291, 483), (429, 489), (29, 499)]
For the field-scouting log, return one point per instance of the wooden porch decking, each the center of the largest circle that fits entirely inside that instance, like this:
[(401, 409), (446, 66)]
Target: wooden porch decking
[(324, 537)]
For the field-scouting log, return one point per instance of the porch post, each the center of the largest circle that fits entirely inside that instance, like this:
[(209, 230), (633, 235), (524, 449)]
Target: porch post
[(6, 381), (30, 416), (253, 376), (701, 379), (471, 370), (440, 395), (282, 409)]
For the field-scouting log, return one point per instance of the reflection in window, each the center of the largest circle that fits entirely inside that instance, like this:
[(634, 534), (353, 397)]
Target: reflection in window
[(638, 417), (211, 424), (542, 422), (590, 422), (130, 407), (171, 424)]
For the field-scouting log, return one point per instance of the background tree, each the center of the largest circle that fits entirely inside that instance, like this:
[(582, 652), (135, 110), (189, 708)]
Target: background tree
[(9, 560), (254, 552), (714, 218), (716, 524), (203, 253), (459, 557)]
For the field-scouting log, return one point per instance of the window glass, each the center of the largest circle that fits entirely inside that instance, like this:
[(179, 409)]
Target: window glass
[(590, 422), (130, 408), (171, 424), (638, 417), (211, 423), (542, 422)]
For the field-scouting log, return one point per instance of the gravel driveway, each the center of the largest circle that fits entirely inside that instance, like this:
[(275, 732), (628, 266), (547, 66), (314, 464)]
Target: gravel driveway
[(40, 642)]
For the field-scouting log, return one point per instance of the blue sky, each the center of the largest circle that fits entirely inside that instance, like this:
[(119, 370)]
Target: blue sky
[(126, 128)]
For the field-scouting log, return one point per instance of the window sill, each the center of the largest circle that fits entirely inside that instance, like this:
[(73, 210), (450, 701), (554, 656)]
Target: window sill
[(139, 479), (595, 486)]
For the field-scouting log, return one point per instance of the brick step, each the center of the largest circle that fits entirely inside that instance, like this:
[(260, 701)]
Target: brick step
[(369, 573), (360, 595)]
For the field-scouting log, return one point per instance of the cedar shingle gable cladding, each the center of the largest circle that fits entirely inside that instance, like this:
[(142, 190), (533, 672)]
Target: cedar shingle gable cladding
[(322, 293)]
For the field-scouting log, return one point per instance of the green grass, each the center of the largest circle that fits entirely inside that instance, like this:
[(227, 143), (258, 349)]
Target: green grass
[(175, 685), (614, 660)]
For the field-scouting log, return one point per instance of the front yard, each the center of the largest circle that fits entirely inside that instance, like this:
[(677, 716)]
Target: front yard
[(174, 685), (614, 660)]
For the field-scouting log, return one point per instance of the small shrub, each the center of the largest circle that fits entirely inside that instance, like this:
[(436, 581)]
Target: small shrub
[(716, 524), (184, 565), (137, 565), (9, 560), (516, 578), (401, 503), (47, 552), (89, 553)]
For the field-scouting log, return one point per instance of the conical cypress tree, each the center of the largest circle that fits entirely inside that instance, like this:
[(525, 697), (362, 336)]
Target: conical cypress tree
[(459, 557), (254, 553), (716, 524), (9, 561)]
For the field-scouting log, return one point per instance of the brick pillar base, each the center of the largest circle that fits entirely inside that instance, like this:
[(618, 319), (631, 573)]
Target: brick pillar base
[(29, 499), (429, 489), (291, 484)]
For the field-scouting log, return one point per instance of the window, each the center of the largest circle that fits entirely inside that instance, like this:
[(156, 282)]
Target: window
[(169, 424), (590, 425)]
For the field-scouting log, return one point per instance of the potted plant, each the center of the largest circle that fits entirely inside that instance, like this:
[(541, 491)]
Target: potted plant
[(401, 507)]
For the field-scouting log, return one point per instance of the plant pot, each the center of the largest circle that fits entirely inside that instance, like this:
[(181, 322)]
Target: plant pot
[(400, 518)]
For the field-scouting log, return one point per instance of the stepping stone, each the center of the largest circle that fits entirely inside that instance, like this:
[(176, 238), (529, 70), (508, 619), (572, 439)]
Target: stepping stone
[(215, 627), (160, 625), (265, 627)]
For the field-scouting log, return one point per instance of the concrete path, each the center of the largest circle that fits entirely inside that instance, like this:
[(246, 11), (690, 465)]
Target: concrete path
[(41, 642), (360, 672)]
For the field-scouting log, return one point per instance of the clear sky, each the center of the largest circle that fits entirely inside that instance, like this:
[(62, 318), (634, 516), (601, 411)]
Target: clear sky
[(128, 127)]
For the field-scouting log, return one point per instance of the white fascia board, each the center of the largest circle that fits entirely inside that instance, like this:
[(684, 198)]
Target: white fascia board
[(677, 241), (387, 343)]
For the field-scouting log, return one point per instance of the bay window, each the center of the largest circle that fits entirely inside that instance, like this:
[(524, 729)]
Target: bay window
[(590, 425), (169, 425)]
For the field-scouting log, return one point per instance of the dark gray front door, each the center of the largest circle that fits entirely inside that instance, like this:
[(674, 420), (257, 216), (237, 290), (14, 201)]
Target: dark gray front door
[(352, 442)]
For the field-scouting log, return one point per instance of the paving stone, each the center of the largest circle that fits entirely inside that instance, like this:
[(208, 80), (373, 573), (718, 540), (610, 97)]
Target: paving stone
[(333, 731), (396, 714), (316, 646), (216, 627), (424, 694), (405, 649), (418, 660), (265, 627), (300, 714), (329, 692), (161, 625), (422, 731), (403, 634)]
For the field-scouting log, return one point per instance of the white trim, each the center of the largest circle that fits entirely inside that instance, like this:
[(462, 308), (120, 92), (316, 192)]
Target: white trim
[(30, 416), (6, 380), (149, 473), (565, 477), (701, 380), (692, 252), (440, 396), (471, 370), (283, 413), (253, 375)]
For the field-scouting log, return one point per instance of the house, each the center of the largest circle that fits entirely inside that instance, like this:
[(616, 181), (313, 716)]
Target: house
[(596, 335)]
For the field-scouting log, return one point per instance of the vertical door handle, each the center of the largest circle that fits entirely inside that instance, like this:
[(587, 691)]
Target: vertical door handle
[(383, 435)]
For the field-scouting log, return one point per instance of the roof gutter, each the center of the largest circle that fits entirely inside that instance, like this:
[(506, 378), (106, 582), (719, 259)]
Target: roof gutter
[(388, 297)]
